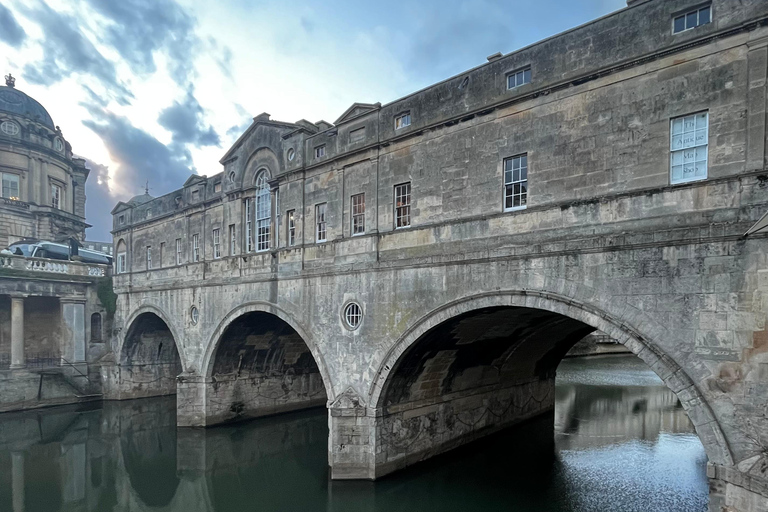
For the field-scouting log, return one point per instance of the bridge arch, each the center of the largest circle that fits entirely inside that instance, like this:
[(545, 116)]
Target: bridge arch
[(149, 356), (673, 375), (131, 321), (257, 352)]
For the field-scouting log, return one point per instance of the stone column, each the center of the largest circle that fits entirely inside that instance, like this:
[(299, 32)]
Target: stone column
[(18, 360), (17, 481), (73, 331), (351, 440), (191, 410)]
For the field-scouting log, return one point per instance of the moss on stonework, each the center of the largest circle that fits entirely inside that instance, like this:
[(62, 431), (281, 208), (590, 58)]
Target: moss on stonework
[(107, 296)]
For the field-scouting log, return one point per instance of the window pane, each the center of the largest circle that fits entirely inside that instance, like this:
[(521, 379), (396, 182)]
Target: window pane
[(704, 16), (527, 76), (690, 20), (524, 173), (677, 126), (679, 24), (677, 172), (702, 120)]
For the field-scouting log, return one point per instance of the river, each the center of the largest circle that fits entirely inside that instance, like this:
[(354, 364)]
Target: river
[(621, 443)]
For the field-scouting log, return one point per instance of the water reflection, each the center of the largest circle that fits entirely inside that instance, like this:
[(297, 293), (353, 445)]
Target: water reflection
[(620, 445)]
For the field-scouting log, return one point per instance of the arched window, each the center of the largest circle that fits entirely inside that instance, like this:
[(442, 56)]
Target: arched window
[(263, 211), (122, 257), (96, 327)]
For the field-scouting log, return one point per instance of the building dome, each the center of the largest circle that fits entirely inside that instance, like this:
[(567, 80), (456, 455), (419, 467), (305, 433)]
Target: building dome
[(16, 102), (141, 199)]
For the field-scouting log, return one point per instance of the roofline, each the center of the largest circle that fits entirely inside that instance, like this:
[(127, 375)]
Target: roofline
[(542, 41)]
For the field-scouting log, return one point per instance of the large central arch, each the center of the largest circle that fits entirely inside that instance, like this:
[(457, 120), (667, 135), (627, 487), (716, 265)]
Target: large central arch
[(412, 387)]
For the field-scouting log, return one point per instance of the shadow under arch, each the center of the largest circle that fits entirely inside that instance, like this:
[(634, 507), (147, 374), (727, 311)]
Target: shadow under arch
[(261, 344), (149, 308), (673, 375), (149, 359)]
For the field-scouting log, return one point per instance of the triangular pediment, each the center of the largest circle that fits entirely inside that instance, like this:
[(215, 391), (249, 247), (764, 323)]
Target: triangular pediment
[(195, 179), (357, 110), (119, 207)]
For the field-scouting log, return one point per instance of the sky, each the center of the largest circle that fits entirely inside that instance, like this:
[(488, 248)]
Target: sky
[(151, 91)]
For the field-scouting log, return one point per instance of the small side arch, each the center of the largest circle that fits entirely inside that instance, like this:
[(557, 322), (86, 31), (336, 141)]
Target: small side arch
[(208, 359), (149, 308), (673, 375)]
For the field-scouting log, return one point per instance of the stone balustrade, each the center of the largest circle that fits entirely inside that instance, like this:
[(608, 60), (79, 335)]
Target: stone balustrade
[(49, 266)]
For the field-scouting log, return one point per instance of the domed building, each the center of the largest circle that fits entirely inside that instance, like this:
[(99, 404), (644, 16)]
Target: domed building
[(43, 185)]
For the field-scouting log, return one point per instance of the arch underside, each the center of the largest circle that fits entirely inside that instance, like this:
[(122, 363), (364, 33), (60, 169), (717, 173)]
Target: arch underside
[(261, 366), (149, 360), (485, 363)]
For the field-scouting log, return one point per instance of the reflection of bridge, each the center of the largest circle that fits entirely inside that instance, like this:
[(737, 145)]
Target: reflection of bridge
[(593, 416), (377, 269), (126, 457)]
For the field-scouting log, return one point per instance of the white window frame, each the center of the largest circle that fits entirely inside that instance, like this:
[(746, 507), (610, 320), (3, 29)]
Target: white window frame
[(689, 148), (263, 211), (321, 222), (178, 251), (402, 210), (320, 151), (519, 77), (10, 177), (290, 217), (232, 240), (248, 226), (357, 206), (515, 172), (121, 262), (216, 244), (402, 120), (56, 196), (684, 16), (196, 248)]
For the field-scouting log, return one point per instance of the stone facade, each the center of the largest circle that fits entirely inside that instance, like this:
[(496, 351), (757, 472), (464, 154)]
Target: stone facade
[(468, 302), (53, 325), (43, 194)]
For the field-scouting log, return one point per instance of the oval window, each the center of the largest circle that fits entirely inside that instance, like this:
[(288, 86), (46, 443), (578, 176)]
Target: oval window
[(194, 314), (9, 128), (353, 315), (291, 154), (58, 145)]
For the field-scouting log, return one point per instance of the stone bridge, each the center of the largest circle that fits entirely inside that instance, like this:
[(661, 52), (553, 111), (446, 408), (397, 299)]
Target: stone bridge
[(421, 268)]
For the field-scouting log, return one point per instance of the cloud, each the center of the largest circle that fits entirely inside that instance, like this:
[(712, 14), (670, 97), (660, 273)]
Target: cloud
[(141, 28), (139, 157), (10, 30), (100, 201), (66, 50), (185, 122)]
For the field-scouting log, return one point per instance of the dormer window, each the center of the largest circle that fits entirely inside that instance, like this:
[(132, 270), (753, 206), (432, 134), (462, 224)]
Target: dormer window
[(195, 195), (518, 78), (320, 151), (692, 19), (357, 135), (403, 120), (217, 188), (121, 220)]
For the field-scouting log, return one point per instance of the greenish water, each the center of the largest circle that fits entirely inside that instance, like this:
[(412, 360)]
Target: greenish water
[(621, 443)]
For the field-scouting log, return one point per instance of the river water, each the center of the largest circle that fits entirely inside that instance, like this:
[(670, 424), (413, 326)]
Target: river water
[(622, 443)]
